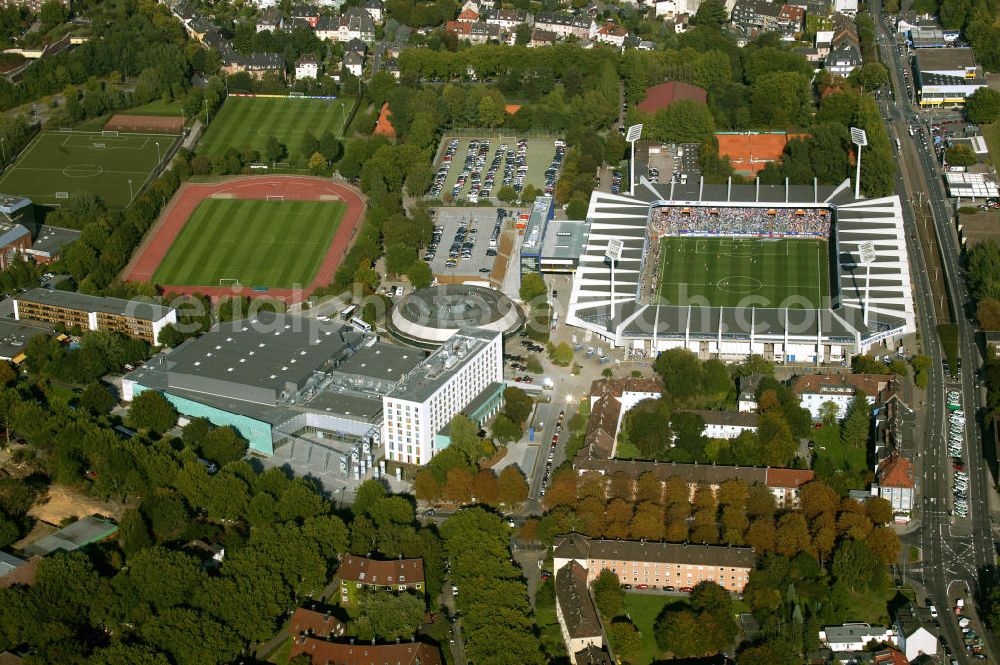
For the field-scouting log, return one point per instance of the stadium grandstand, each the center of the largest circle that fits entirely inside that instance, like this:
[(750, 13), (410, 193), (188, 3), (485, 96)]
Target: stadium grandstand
[(767, 269)]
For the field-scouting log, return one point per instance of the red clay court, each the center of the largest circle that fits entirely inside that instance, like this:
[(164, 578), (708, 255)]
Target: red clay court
[(290, 188), (750, 152)]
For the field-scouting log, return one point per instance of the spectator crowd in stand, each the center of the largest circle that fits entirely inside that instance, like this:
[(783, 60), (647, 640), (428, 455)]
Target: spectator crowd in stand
[(753, 222)]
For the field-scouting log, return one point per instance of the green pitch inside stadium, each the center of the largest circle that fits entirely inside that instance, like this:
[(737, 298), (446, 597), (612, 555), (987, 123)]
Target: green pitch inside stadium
[(737, 272)]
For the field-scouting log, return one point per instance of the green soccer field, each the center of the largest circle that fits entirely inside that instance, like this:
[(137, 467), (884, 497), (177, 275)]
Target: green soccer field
[(57, 165), (273, 244), (731, 272), (249, 121)]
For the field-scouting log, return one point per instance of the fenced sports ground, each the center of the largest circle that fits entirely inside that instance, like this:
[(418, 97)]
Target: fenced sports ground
[(247, 122), (57, 165), (726, 271), (276, 236), (261, 244)]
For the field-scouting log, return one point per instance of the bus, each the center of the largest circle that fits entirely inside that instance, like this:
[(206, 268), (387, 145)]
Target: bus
[(360, 325), (899, 146), (348, 313)]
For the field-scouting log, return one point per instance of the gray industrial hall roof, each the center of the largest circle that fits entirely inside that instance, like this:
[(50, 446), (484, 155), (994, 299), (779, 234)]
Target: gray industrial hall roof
[(14, 336), (382, 361), (945, 59), (351, 405), (51, 239), (137, 309), (9, 562), (267, 351), (565, 239)]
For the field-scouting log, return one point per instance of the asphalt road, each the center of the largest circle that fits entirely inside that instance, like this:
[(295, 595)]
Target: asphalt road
[(955, 551)]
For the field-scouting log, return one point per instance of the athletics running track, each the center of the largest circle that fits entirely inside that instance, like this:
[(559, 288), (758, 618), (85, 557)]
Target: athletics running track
[(301, 188)]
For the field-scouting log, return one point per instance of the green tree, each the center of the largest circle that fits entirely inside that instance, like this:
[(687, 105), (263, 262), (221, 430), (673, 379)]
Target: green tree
[(399, 258), (505, 430), (828, 413), (385, 615), (681, 632), (960, 155), (856, 565), (609, 595), (512, 487), (857, 419), (983, 106), (317, 163), (223, 445), (533, 288), (684, 121), (506, 194), (492, 110), (517, 405), (192, 637), (273, 150), (560, 354), (419, 274), (625, 639), (711, 14), (52, 13), (97, 399), (870, 75), (680, 370), (577, 208), (150, 411)]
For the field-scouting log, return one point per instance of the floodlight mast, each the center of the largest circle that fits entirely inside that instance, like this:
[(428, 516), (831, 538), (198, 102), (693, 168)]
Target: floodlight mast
[(632, 135), (866, 251), (613, 254), (859, 138)]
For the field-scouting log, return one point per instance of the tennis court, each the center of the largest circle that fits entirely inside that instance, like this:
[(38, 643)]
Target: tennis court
[(111, 165)]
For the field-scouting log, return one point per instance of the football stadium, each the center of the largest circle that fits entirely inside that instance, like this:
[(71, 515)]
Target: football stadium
[(730, 270)]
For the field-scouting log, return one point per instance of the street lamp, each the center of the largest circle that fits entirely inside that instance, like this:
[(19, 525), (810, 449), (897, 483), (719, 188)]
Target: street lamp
[(157, 152), (130, 190)]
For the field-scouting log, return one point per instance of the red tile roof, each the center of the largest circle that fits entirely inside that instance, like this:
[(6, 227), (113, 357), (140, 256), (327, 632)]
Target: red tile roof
[(468, 15), (870, 384), (663, 95), (896, 471), (788, 478), (891, 656), (309, 622), (370, 571), (407, 653)]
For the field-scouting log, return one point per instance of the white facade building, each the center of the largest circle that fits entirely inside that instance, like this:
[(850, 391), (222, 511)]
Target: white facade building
[(727, 424), (815, 390), (306, 68), (466, 369), (848, 7), (854, 636)]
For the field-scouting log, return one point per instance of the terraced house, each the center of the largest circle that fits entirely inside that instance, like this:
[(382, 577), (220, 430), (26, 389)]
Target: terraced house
[(358, 572)]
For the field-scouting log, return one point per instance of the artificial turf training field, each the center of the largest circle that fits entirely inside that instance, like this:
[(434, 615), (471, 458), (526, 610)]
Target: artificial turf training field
[(254, 243), (249, 121), (57, 165), (725, 271)]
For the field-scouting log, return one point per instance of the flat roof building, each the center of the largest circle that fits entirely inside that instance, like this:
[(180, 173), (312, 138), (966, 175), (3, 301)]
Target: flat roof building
[(79, 534), (50, 242), (141, 319), (427, 318), (946, 76), (14, 338)]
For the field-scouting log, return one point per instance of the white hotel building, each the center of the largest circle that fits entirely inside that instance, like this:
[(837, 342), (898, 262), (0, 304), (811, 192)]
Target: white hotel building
[(465, 375)]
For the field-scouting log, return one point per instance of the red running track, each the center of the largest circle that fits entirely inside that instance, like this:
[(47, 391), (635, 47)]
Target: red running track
[(299, 188)]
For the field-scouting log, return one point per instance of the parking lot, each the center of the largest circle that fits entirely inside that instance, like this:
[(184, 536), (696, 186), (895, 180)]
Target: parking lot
[(473, 259), (476, 168)]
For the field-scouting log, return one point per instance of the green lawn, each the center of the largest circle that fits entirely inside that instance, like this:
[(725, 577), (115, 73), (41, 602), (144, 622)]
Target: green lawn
[(643, 608), (249, 121), (731, 272), (991, 133), (540, 154), (56, 165), (158, 107), (259, 243)]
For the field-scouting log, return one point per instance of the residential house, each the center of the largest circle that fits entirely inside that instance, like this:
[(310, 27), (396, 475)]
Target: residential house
[(255, 64), (748, 385), (793, 18), (541, 38), (911, 637), (358, 572), (564, 24), (610, 399), (269, 20), (854, 637), (754, 17), (375, 9), (784, 484), (890, 656), (508, 19), (844, 58), (474, 33), (307, 67), (726, 424), (671, 9), (468, 15), (611, 33), (304, 12), (391, 65), (579, 622), (322, 652), (354, 62), (815, 390), (895, 481), (823, 42), (655, 564), (589, 656), (846, 7), (315, 624), (354, 23)]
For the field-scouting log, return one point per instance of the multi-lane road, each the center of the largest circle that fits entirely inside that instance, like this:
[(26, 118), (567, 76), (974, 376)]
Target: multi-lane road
[(955, 551)]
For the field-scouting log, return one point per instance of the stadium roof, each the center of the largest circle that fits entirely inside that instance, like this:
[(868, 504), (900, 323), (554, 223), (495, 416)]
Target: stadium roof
[(625, 218)]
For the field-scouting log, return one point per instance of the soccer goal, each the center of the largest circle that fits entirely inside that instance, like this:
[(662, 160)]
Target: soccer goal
[(276, 197), (229, 281), (109, 132), (62, 195)]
